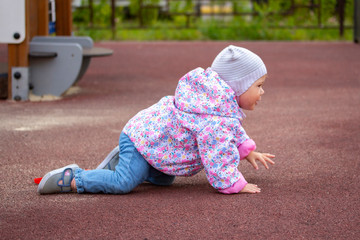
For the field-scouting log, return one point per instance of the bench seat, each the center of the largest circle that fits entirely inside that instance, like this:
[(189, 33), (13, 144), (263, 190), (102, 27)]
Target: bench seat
[(57, 63)]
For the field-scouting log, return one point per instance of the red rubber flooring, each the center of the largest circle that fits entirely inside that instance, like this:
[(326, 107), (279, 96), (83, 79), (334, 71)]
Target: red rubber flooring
[(309, 117)]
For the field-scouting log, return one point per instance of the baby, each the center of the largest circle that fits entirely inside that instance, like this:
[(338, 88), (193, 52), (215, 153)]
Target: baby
[(198, 128)]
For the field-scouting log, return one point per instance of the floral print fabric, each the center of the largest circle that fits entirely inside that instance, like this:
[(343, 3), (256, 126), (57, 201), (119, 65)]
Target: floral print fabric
[(198, 128)]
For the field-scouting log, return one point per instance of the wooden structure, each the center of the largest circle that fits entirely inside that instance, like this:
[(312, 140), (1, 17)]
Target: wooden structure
[(43, 18), (37, 24)]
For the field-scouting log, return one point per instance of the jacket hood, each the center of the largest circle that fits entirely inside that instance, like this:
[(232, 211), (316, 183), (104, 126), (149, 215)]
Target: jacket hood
[(204, 92)]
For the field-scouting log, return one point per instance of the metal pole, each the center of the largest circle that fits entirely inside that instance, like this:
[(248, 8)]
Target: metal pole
[(341, 12), (91, 13), (356, 21), (140, 14), (319, 13), (113, 22)]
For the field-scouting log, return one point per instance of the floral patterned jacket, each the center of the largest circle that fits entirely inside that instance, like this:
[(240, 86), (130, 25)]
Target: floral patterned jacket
[(198, 128)]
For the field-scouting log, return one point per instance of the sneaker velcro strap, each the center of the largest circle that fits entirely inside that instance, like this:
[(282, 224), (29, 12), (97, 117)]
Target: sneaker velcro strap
[(66, 178)]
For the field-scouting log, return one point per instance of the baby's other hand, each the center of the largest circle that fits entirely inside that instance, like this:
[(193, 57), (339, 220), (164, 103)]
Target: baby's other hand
[(251, 188), (264, 158)]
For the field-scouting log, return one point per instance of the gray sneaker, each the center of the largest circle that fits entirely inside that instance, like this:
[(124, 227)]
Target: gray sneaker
[(50, 182), (111, 160)]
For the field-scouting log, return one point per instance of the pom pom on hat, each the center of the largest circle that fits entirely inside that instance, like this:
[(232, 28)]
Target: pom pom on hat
[(239, 68)]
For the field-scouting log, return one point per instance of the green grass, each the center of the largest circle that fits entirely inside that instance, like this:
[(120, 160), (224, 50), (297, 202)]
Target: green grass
[(213, 32), (179, 27)]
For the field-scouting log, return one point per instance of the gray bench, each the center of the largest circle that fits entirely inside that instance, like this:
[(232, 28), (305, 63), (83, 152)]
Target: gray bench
[(57, 63)]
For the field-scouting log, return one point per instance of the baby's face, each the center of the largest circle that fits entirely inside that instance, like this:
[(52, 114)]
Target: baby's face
[(249, 99)]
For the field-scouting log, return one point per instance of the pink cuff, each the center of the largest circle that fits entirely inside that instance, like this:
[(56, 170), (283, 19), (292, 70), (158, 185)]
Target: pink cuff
[(236, 187), (246, 147)]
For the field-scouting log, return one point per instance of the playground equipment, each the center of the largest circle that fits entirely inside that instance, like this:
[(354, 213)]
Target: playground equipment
[(42, 54)]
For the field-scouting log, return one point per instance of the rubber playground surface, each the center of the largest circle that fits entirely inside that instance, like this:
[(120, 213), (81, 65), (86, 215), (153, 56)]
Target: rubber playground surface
[(308, 117)]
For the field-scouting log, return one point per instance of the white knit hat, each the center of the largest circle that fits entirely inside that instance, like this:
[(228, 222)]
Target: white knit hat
[(239, 68)]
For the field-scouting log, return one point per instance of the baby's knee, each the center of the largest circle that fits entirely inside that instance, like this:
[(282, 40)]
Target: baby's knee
[(163, 180)]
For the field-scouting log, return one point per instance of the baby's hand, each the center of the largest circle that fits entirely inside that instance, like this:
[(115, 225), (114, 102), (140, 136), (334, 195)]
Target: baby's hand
[(264, 158), (250, 188)]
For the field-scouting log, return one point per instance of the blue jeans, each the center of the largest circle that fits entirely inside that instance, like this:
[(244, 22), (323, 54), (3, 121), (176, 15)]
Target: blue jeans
[(131, 171)]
